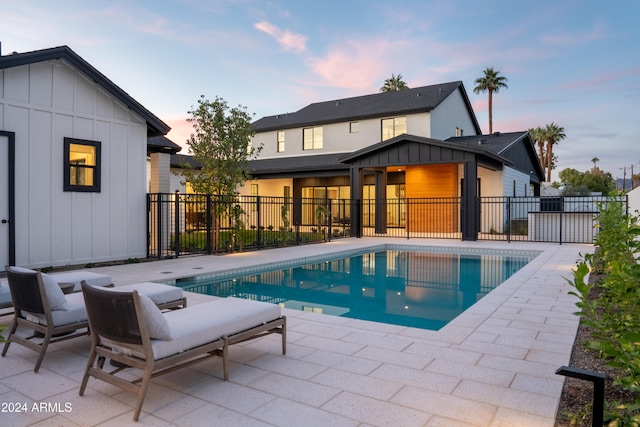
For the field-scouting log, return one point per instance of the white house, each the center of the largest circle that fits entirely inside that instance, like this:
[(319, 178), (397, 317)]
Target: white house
[(423, 142), (73, 150)]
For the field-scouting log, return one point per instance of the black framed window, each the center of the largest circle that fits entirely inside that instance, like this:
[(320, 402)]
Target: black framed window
[(393, 127), (280, 141), (312, 138), (81, 165)]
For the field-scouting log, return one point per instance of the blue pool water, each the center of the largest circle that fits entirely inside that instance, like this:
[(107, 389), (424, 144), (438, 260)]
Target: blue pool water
[(419, 289)]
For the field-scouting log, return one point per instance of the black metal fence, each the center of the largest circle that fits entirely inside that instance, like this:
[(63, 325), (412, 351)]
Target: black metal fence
[(541, 219), (182, 224)]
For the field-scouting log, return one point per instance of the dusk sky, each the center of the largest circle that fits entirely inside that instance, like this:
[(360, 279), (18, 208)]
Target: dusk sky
[(575, 63)]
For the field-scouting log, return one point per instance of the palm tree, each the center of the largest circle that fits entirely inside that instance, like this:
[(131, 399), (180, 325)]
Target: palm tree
[(595, 160), (393, 84), (537, 135), (553, 134), (490, 82)]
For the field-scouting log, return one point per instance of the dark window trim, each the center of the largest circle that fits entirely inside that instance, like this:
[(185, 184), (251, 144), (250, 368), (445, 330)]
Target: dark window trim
[(280, 143), (313, 130), (67, 186)]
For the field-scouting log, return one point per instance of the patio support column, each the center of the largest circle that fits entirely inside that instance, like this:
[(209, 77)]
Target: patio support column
[(160, 173), (355, 211), (160, 184), (469, 201)]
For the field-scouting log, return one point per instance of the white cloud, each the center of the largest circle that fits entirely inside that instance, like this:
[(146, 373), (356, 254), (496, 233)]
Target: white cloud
[(289, 41)]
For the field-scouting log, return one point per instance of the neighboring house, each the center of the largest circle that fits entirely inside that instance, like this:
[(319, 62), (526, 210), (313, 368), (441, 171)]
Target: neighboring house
[(415, 143), (75, 148)]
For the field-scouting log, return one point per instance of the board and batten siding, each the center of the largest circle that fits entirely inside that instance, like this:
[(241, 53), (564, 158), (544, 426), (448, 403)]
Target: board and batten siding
[(43, 103), (522, 182)]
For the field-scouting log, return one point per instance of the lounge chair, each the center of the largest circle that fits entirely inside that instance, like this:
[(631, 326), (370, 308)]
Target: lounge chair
[(41, 306), (67, 277), (127, 328)]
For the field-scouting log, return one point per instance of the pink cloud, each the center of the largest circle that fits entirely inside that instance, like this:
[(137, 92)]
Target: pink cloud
[(180, 131), (359, 65), (289, 41)]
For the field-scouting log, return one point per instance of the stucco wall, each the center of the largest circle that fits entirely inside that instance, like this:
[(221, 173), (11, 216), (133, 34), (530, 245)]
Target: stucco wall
[(43, 103), (634, 201), (449, 115), (337, 137)]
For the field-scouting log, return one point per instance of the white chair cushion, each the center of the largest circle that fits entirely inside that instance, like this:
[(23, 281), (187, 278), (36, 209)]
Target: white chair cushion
[(5, 295), (203, 323), (55, 296), (76, 277), (158, 292), (75, 312), (156, 323)]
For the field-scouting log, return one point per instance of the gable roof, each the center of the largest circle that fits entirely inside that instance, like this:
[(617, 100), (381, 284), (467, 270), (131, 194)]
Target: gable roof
[(421, 140), (155, 126), (497, 142), (512, 145), (406, 101)]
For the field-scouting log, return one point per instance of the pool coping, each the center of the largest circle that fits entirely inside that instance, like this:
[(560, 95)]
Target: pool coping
[(298, 262)]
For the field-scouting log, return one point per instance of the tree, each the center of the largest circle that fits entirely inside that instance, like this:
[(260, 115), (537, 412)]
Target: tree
[(221, 146), (393, 84), (553, 134), (537, 135), (595, 160), (575, 183), (491, 82)]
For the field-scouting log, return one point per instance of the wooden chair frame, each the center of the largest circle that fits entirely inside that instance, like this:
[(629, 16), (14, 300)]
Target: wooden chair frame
[(124, 338), (28, 296)]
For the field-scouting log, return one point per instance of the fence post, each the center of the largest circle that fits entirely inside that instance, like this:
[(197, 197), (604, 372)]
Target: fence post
[(259, 231), (329, 218), (148, 225), (159, 236), (176, 223), (408, 208), (561, 216), (208, 224), (509, 219)]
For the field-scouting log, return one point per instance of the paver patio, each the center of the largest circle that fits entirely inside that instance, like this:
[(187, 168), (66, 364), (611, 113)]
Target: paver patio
[(494, 365)]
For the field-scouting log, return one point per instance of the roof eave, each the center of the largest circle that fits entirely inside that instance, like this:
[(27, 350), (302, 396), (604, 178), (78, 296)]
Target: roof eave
[(342, 120), (155, 126)]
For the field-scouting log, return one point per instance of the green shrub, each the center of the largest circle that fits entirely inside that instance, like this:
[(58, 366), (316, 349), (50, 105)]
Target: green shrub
[(614, 316)]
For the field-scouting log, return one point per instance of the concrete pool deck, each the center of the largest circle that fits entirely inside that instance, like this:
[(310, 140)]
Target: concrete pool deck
[(494, 365)]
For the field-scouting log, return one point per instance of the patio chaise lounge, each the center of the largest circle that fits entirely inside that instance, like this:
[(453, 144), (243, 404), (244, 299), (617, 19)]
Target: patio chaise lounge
[(127, 328), (70, 277), (41, 306)]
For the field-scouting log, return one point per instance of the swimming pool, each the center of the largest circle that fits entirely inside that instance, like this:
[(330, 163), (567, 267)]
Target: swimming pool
[(424, 289)]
